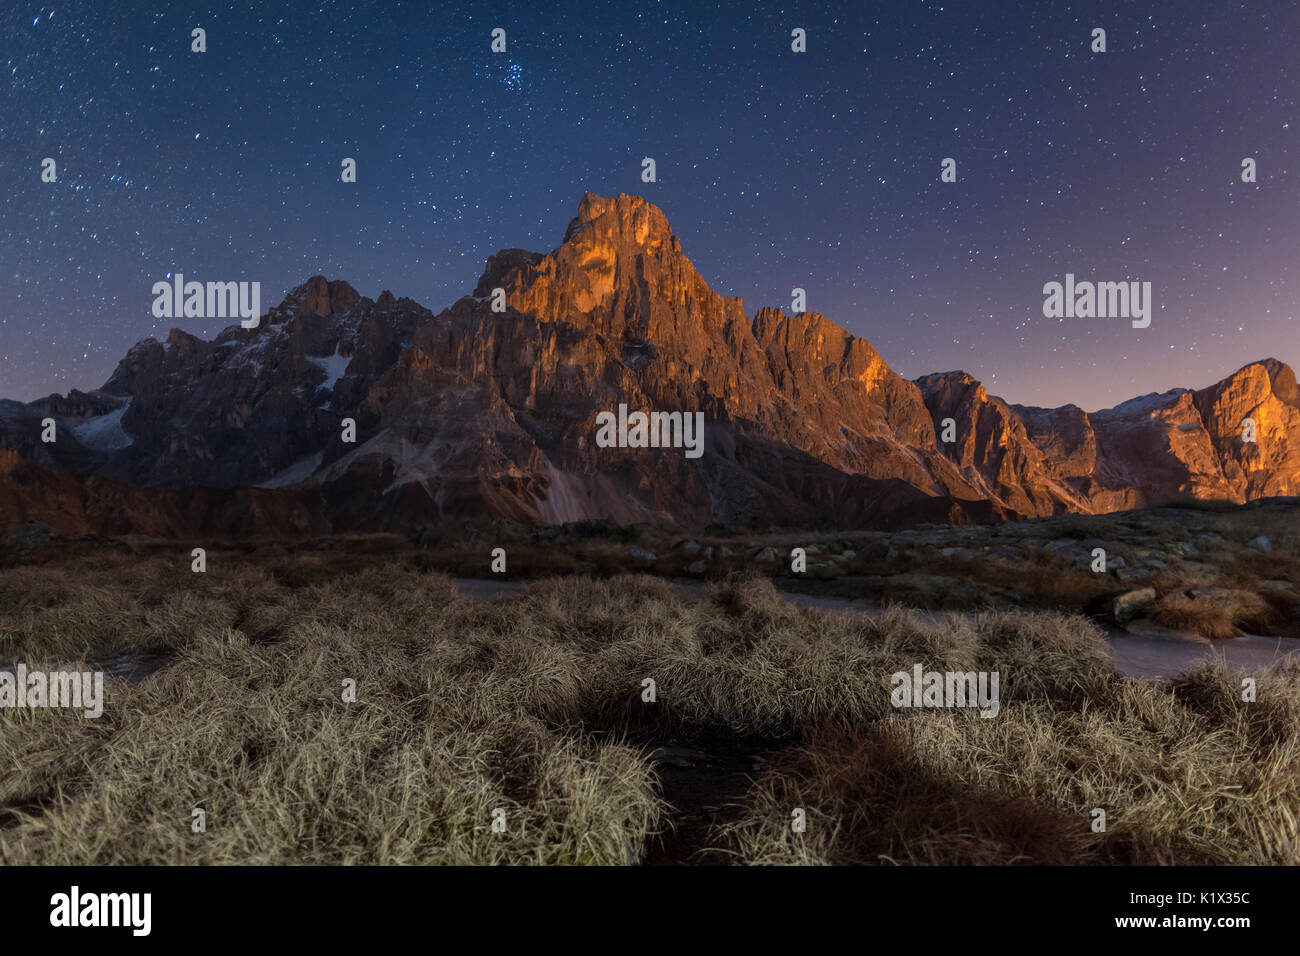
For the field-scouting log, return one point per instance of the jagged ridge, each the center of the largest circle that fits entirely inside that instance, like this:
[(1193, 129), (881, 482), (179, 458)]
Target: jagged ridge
[(475, 412)]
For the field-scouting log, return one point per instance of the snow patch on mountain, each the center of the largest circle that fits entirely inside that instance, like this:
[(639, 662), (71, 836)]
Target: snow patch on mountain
[(105, 433), (300, 470), (334, 366), (1144, 404)]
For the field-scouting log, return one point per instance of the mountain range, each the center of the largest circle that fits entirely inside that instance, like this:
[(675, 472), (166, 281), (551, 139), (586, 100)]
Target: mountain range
[(479, 412)]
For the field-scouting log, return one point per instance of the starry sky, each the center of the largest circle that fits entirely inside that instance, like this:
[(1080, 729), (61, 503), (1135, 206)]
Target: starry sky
[(776, 169)]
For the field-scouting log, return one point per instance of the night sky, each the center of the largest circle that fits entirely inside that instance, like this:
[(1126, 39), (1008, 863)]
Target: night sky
[(776, 169)]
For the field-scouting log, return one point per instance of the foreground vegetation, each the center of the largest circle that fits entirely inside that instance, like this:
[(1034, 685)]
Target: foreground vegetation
[(533, 705), (1215, 570)]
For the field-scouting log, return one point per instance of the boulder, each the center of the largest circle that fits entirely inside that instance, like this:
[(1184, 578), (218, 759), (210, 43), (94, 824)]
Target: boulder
[(825, 570), (1132, 604)]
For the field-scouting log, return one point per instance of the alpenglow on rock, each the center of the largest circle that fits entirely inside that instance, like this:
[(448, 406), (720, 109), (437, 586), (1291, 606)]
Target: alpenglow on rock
[(475, 412)]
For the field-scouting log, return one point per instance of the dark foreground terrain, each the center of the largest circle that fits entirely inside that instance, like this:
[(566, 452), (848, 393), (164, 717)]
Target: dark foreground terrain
[(225, 693)]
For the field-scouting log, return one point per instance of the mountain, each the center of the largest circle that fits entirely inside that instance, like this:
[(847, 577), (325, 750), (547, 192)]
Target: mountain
[(476, 411)]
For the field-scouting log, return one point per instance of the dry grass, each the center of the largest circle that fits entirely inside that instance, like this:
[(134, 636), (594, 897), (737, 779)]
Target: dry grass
[(1223, 616), (257, 734), (533, 704), (1187, 775)]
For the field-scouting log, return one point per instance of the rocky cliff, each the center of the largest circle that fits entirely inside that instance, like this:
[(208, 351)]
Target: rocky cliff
[(476, 411)]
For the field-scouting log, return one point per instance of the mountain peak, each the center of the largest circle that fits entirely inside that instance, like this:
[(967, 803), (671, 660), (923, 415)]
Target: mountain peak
[(473, 411), (1281, 377), (593, 205), (319, 296), (502, 267), (623, 221)]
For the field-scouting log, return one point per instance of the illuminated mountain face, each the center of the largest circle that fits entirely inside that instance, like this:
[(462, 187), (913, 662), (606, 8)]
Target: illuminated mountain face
[(382, 414)]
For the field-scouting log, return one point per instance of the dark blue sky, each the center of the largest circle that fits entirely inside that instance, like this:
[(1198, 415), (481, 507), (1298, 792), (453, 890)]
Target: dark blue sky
[(776, 169)]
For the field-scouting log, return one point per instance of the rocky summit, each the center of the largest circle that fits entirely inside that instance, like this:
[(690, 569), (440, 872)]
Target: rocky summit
[(491, 408)]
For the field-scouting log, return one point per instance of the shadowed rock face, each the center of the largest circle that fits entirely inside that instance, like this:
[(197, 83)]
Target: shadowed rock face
[(475, 412), (91, 504)]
